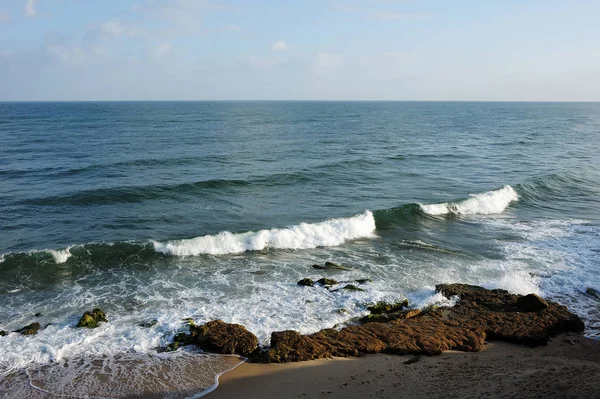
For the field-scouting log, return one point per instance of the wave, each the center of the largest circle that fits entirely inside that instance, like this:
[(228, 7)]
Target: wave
[(332, 232), (490, 202)]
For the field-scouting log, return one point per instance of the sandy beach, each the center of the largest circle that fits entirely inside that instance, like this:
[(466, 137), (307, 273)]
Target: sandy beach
[(569, 367)]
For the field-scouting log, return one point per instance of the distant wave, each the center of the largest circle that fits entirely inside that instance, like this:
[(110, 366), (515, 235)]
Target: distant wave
[(490, 202), (303, 236)]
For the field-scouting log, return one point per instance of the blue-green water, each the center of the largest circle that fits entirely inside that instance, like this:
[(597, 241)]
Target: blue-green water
[(215, 209)]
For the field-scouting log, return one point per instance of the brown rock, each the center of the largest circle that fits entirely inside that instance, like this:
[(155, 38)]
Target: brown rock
[(306, 282), (31, 329), (481, 313), (532, 303), (220, 337)]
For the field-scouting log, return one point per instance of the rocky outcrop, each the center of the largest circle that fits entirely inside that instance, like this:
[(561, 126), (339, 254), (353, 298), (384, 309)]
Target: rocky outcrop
[(3, 333), (532, 303), (31, 329), (326, 281), (220, 337), (92, 319), (480, 314)]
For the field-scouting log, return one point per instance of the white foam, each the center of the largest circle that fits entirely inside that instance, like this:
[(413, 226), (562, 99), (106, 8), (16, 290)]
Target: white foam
[(329, 233), (60, 256), (490, 202)]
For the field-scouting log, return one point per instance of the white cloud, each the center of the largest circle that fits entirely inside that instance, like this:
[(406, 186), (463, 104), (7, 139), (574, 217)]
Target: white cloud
[(113, 28), (326, 62), (279, 45), (30, 8), (4, 17), (162, 50)]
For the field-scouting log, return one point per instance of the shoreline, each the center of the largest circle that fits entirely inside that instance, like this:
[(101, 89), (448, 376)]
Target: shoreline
[(567, 367)]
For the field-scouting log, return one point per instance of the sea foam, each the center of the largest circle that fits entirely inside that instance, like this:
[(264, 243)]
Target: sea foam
[(331, 232), (490, 202)]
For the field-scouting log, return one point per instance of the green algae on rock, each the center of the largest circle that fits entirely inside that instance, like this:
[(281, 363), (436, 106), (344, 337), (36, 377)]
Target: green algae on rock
[(92, 319), (31, 329), (326, 281)]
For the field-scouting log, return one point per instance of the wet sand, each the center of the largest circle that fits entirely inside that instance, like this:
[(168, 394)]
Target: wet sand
[(569, 367)]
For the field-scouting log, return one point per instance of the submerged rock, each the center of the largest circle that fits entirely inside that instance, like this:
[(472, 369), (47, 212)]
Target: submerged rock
[(479, 315), (364, 280), (532, 303), (92, 319), (351, 287), (326, 281), (31, 329), (220, 337), (148, 323), (3, 333), (592, 292), (306, 282), (331, 266)]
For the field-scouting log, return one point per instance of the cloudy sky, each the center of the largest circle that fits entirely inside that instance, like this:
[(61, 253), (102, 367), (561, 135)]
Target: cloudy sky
[(323, 49)]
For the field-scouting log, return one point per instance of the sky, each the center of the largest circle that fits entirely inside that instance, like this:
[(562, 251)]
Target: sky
[(502, 50)]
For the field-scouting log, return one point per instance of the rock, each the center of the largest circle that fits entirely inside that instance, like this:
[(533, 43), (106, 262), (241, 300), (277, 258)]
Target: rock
[(385, 317), (592, 292), (331, 266), (532, 303), (306, 282), (384, 307), (413, 359), (364, 280), (92, 319), (189, 321), (148, 323), (220, 337), (3, 333), (38, 314), (326, 281), (480, 314), (31, 329), (351, 287)]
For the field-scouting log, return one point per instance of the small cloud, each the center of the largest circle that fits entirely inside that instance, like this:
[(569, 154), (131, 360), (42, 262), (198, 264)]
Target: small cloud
[(326, 62), (279, 45), (30, 8), (4, 17), (162, 50), (113, 28)]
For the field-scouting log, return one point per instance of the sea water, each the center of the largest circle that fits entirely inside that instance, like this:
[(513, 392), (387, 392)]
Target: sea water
[(156, 212)]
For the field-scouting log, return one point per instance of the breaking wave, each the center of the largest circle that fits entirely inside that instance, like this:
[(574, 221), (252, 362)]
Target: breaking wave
[(490, 202)]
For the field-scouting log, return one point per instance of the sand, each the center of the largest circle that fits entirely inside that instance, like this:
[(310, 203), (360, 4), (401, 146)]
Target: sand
[(569, 367)]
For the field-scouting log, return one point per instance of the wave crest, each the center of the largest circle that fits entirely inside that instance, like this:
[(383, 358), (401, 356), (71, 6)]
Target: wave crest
[(303, 236), (490, 202)]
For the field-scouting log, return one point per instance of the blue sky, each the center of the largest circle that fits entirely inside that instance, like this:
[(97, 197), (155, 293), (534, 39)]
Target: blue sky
[(295, 50)]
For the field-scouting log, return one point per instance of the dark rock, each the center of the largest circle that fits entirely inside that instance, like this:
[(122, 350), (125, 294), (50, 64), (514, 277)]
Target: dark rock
[(384, 307), (364, 280), (220, 337), (148, 323), (326, 281), (532, 303), (31, 329), (92, 319), (351, 287), (480, 314), (3, 333), (413, 359), (306, 282), (331, 266), (37, 315), (592, 292)]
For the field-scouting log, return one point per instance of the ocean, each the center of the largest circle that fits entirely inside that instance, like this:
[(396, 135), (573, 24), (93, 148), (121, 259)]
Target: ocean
[(160, 211)]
